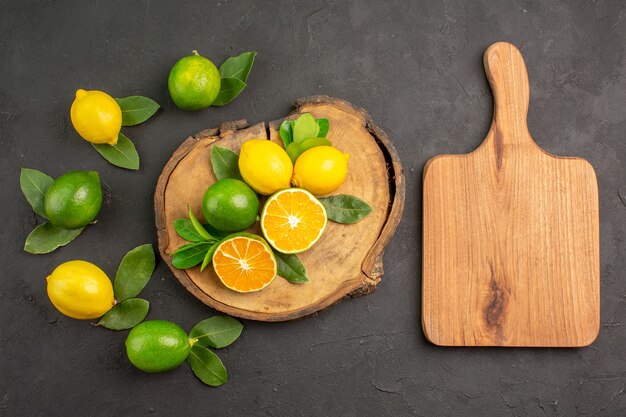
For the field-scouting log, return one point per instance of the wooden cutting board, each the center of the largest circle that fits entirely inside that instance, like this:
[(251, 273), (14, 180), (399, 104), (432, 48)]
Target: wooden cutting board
[(346, 261), (511, 233)]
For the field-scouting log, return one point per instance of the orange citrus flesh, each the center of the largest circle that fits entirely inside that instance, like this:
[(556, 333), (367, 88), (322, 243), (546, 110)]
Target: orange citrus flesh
[(244, 264), (293, 220)]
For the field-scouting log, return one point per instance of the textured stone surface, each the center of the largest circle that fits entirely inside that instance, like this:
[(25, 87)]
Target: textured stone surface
[(416, 67)]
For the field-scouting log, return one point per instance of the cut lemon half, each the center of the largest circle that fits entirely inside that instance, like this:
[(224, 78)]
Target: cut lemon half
[(244, 263), (293, 220)]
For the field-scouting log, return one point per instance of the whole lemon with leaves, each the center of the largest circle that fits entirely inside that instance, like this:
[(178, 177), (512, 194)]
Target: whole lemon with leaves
[(81, 290), (265, 166), (96, 116), (320, 170)]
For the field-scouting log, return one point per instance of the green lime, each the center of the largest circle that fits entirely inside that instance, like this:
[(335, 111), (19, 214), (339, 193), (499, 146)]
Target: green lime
[(157, 346), (295, 149), (230, 205), (194, 82), (74, 199)]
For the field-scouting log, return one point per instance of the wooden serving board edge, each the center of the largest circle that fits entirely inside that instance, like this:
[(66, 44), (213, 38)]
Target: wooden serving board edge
[(372, 266)]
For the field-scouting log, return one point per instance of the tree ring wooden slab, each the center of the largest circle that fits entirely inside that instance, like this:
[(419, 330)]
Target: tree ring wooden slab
[(346, 261)]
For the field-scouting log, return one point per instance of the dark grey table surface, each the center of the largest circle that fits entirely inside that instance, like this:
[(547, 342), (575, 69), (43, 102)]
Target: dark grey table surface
[(416, 67)]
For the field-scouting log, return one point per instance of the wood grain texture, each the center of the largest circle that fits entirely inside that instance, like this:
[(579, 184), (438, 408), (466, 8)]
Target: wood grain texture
[(346, 261), (511, 233)]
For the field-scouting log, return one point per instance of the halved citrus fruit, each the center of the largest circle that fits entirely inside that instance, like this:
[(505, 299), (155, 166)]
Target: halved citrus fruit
[(293, 220), (244, 263)]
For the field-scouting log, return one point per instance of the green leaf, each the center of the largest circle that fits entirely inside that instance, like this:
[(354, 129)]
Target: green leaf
[(125, 315), (136, 109), (344, 208), (324, 127), (45, 238), (134, 272), (208, 258), (185, 229), (207, 366), (190, 255), (198, 227), (286, 132), (34, 185), (230, 88), (123, 154), (305, 127), (225, 163), (216, 332), (291, 268), (238, 67)]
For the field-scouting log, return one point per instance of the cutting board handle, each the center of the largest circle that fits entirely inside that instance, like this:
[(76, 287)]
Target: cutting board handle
[(507, 75)]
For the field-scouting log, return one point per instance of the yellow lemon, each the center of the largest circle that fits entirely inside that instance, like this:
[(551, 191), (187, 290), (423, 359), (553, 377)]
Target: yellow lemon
[(320, 170), (80, 290), (96, 116), (265, 166)]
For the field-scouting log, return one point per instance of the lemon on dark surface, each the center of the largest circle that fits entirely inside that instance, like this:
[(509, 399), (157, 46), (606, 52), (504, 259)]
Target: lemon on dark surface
[(157, 346), (74, 199), (230, 205), (194, 82), (81, 290)]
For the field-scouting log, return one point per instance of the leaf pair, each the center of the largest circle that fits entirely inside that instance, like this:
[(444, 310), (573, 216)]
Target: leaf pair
[(135, 110), (234, 74), (203, 244), (304, 127), (132, 275), (193, 254), (216, 332), (46, 237)]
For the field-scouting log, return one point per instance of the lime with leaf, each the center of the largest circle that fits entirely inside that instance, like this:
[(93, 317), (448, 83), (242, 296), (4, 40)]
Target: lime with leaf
[(195, 83), (160, 346)]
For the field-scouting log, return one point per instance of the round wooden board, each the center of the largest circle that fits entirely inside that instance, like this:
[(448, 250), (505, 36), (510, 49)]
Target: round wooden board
[(346, 261)]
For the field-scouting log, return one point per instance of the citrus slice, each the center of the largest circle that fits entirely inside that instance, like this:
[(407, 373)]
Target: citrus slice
[(293, 220), (244, 263)]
